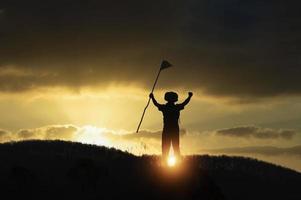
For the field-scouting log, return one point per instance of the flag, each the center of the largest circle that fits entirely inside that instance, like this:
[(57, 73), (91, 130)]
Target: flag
[(165, 64)]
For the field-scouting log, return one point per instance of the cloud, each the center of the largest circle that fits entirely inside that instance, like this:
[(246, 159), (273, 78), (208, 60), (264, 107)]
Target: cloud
[(61, 132), (5, 135), (242, 49), (28, 134), (256, 132), (92, 133), (262, 150), (13, 71), (64, 132), (71, 132)]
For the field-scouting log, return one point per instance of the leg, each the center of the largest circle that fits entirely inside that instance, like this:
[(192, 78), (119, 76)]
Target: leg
[(176, 144), (166, 141)]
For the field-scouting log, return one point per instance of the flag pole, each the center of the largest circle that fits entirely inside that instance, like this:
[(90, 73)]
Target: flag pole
[(149, 100)]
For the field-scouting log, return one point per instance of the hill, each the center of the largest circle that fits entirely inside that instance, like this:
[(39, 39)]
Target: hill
[(67, 170)]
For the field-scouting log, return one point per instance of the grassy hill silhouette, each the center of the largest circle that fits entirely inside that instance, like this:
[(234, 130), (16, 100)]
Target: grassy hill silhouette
[(68, 170)]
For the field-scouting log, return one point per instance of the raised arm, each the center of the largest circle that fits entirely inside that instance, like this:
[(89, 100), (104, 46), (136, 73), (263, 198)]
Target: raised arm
[(187, 100), (151, 95)]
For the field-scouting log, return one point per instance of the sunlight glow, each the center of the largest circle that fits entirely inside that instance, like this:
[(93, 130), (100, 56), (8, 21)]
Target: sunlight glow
[(93, 135), (171, 161)]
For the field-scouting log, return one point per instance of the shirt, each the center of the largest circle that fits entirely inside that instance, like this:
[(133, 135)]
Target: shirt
[(171, 114)]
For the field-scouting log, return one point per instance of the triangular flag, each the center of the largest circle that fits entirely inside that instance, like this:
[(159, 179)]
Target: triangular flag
[(165, 64)]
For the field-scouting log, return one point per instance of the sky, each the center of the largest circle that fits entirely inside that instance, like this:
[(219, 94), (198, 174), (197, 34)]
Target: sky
[(82, 71)]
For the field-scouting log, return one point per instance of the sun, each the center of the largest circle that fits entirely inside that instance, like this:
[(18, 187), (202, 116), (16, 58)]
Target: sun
[(171, 161)]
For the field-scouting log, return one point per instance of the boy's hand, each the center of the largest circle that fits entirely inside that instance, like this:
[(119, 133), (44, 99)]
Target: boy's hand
[(190, 94), (151, 95)]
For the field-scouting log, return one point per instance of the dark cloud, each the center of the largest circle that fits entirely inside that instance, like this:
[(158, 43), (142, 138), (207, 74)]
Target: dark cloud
[(262, 150), (256, 132), (244, 48)]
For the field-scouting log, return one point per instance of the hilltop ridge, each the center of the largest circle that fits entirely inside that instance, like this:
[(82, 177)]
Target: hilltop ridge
[(59, 169)]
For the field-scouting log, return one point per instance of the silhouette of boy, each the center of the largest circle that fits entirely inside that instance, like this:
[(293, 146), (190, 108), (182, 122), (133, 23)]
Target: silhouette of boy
[(171, 113)]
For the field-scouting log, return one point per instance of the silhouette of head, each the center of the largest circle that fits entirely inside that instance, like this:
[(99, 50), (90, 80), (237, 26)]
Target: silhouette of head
[(171, 97)]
